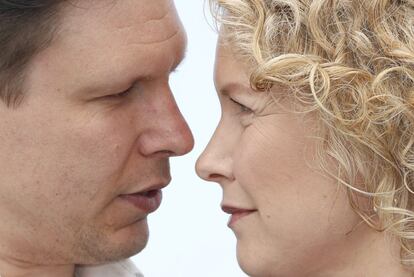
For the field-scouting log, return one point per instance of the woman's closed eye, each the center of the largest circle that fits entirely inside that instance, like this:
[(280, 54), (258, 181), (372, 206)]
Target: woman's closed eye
[(243, 108)]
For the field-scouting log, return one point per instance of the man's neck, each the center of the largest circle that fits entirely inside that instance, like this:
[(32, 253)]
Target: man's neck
[(14, 268)]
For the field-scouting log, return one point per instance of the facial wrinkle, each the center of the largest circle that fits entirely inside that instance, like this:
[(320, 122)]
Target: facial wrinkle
[(158, 41), (149, 32)]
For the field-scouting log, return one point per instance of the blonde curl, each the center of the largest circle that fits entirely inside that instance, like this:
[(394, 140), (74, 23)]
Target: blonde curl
[(350, 62)]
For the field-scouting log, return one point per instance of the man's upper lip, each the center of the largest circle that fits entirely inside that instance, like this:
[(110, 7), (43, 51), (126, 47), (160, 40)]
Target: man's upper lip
[(232, 209), (157, 186)]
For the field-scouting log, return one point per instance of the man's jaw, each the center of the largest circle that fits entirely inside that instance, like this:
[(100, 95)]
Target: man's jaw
[(13, 267)]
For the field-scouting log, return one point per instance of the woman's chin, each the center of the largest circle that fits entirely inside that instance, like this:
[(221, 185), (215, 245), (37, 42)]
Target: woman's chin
[(251, 260)]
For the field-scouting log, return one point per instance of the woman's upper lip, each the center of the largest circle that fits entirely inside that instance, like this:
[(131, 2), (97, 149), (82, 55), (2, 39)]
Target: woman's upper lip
[(232, 210)]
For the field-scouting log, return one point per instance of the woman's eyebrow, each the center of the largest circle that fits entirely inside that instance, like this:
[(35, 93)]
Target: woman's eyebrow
[(233, 87)]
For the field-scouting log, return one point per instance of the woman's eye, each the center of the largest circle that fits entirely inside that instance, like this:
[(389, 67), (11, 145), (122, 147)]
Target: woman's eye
[(242, 107)]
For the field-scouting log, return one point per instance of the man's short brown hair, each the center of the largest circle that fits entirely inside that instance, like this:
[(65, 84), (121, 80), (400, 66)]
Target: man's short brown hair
[(26, 27)]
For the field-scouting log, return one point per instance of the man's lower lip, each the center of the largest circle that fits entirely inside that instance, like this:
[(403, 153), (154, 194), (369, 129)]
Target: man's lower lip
[(237, 216), (147, 204)]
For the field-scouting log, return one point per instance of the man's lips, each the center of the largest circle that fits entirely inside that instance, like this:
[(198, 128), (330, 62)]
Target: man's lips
[(236, 213), (148, 201)]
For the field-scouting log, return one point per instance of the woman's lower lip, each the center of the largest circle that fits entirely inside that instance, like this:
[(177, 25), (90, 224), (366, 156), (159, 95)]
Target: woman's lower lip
[(147, 204), (237, 216)]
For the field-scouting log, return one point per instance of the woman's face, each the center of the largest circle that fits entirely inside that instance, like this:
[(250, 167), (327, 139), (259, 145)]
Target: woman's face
[(289, 219)]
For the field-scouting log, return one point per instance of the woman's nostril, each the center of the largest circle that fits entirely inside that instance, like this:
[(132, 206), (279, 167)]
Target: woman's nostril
[(214, 176), (202, 170)]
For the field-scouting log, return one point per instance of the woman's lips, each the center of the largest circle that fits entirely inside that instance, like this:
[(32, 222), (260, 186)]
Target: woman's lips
[(147, 202), (236, 216), (236, 213)]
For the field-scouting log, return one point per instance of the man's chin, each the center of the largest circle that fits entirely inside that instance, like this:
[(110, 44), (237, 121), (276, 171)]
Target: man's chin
[(114, 246)]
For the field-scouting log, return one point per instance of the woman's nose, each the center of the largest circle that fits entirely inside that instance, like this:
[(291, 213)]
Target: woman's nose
[(215, 163)]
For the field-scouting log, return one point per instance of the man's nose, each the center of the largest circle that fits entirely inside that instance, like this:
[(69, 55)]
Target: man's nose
[(168, 134)]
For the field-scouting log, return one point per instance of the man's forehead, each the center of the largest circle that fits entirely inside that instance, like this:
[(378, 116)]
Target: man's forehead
[(135, 22), (149, 8), (109, 46)]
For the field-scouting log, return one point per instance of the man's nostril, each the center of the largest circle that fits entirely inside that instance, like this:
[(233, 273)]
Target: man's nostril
[(167, 153)]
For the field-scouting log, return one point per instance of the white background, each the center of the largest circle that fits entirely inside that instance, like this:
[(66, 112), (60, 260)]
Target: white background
[(188, 234)]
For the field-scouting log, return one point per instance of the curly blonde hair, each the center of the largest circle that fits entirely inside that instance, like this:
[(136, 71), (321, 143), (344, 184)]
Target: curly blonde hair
[(350, 62)]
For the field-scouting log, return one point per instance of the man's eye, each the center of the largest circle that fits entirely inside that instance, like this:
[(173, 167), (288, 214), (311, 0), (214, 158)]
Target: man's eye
[(121, 94), (243, 108)]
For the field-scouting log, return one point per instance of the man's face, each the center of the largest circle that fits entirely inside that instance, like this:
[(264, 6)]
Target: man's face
[(98, 122)]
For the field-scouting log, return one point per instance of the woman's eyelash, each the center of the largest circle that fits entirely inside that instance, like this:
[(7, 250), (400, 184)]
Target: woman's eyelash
[(242, 107)]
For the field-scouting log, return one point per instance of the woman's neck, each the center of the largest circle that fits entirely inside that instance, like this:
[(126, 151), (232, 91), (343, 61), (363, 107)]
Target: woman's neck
[(368, 253)]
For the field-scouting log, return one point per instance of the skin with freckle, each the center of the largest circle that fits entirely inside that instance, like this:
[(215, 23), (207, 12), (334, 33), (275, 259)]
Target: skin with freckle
[(263, 156), (314, 148), (264, 162), (98, 121)]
